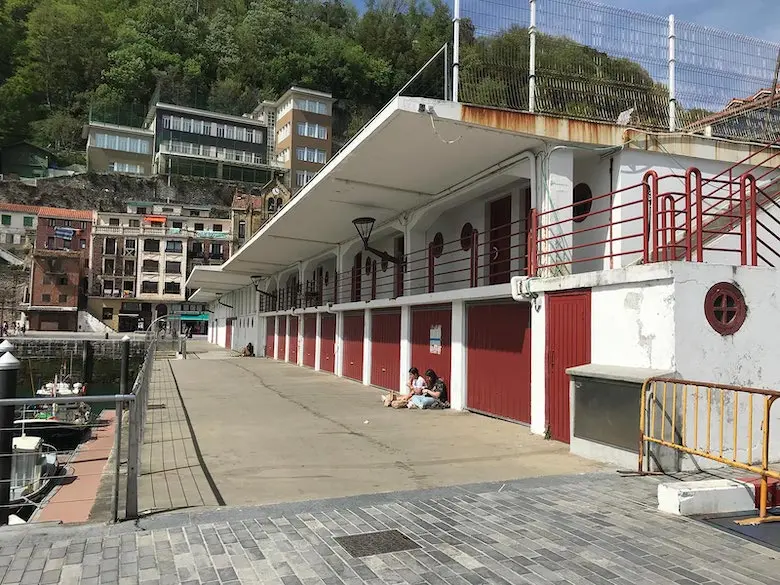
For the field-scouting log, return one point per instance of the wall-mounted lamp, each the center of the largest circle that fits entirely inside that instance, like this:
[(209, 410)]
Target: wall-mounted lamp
[(256, 281), (364, 226)]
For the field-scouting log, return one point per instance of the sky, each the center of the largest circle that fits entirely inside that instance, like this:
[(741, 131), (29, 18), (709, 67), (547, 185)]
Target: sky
[(755, 18)]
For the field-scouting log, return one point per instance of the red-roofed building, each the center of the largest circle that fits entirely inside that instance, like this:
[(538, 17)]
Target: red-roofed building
[(60, 271)]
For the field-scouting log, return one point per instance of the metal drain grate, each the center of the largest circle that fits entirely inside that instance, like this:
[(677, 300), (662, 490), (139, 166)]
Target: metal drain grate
[(155, 406), (376, 543)]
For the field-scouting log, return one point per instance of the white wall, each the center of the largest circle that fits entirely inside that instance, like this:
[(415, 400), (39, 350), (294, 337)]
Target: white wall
[(590, 233)]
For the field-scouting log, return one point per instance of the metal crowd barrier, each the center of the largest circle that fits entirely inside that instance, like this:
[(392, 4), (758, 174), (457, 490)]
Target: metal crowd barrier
[(718, 422)]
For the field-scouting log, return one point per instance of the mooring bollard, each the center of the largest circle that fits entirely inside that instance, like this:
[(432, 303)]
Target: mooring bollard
[(9, 368)]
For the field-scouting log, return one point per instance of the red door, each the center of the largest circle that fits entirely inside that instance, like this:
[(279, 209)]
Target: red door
[(270, 326), (328, 343), (282, 336), (293, 340), (427, 350), (500, 240), (568, 344), (499, 360), (309, 339), (386, 349), (353, 346), (229, 333)]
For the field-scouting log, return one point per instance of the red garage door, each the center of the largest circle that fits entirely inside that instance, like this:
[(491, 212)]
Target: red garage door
[(270, 325), (328, 343), (386, 349), (428, 351), (293, 340), (309, 339), (499, 360), (353, 346), (567, 332), (282, 336)]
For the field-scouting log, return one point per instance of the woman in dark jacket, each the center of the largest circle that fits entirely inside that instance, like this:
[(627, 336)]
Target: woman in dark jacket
[(434, 396)]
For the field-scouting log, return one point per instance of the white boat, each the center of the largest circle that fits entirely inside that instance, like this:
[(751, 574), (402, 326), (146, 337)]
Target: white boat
[(33, 467), (59, 388)]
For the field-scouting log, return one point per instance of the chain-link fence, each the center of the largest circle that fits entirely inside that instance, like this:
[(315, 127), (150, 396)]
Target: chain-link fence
[(585, 60)]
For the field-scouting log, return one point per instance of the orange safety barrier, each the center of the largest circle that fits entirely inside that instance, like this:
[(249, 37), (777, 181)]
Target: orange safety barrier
[(712, 421)]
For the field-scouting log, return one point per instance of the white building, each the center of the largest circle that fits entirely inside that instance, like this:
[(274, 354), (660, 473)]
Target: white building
[(618, 272)]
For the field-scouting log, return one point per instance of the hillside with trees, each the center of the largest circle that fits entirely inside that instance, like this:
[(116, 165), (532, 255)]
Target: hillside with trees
[(60, 59)]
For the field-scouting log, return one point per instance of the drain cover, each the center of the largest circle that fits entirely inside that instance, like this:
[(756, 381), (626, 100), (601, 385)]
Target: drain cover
[(376, 543), (155, 406)]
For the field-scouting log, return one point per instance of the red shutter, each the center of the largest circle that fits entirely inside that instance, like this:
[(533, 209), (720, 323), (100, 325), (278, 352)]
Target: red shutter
[(309, 339), (328, 343), (270, 324), (293, 340), (386, 349), (353, 346), (423, 320)]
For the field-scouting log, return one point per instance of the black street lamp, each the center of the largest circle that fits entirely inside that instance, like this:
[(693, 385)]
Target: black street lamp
[(364, 227)]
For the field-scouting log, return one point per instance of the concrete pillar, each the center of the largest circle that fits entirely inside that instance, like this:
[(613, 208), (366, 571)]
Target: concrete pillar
[(318, 343), (538, 366), (276, 338), (338, 368), (287, 338), (406, 345), (457, 382), (367, 347), (559, 189)]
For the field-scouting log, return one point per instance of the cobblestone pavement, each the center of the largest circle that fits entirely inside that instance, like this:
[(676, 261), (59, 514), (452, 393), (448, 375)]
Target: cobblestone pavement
[(586, 529)]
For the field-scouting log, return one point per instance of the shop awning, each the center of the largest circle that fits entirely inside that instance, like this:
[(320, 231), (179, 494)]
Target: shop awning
[(193, 317), (155, 218)]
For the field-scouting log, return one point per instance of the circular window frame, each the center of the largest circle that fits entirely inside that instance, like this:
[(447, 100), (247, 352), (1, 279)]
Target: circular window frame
[(437, 245), (384, 264), (716, 296), (466, 236), (582, 202)]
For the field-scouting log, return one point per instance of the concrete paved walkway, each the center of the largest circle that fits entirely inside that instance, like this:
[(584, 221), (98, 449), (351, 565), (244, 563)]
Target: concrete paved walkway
[(270, 432), (587, 529)]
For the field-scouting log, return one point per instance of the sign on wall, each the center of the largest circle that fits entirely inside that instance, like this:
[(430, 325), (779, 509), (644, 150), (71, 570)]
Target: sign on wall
[(435, 339)]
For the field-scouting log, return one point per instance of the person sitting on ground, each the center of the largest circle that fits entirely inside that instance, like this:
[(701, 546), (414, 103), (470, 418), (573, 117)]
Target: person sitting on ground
[(248, 351), (415, 385), (433, 396)]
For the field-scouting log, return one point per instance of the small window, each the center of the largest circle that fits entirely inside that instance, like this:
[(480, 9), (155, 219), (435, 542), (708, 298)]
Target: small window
[(63, 281), (28, 221), (194, 213), (141, 210), (174, 246), (63, 298), (241, 229), (217, 227), (129, 267), (172, 288), (6, 219), (83, 244), (135, 223), (46, 298), (198, 227), (151, 245), (173, 267), (150, 266), (583, 201), (437, 245), (108, 266), (216, 250), (466, 236), (148, 287), (109, 246), (167, 209), (113, 221), (108, 313), (177, 224), (50, 243)]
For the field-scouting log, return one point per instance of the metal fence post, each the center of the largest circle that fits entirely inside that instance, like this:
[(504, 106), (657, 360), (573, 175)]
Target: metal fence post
[(117, 461), (124, 367), (672, 90), (532, 59), (9, 367), (455, 49)]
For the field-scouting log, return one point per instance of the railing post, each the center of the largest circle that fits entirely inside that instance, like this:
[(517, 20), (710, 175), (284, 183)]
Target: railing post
[(532, 59), (474, 258), (672, 87), (9, 368), (431, 268), (117, 461), (124, 364), (455, 49), (743, 219)]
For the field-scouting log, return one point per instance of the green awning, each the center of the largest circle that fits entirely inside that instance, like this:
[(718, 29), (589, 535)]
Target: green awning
[(200, 317)]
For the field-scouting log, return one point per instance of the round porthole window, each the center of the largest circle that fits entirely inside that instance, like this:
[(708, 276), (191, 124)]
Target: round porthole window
[(327, 277), (466, 234), (437, 246), (384, 264), (583, 201), (725, 308), (368, 265)]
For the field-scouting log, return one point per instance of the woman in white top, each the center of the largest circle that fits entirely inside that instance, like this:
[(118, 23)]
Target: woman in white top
[(416, 383)]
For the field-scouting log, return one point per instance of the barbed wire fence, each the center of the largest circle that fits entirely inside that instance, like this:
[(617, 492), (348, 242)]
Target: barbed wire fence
[(584, 60)]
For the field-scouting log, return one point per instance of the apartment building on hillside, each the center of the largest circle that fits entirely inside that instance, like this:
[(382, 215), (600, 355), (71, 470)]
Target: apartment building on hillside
[(60, 270), (141, 259), (290, 137)]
